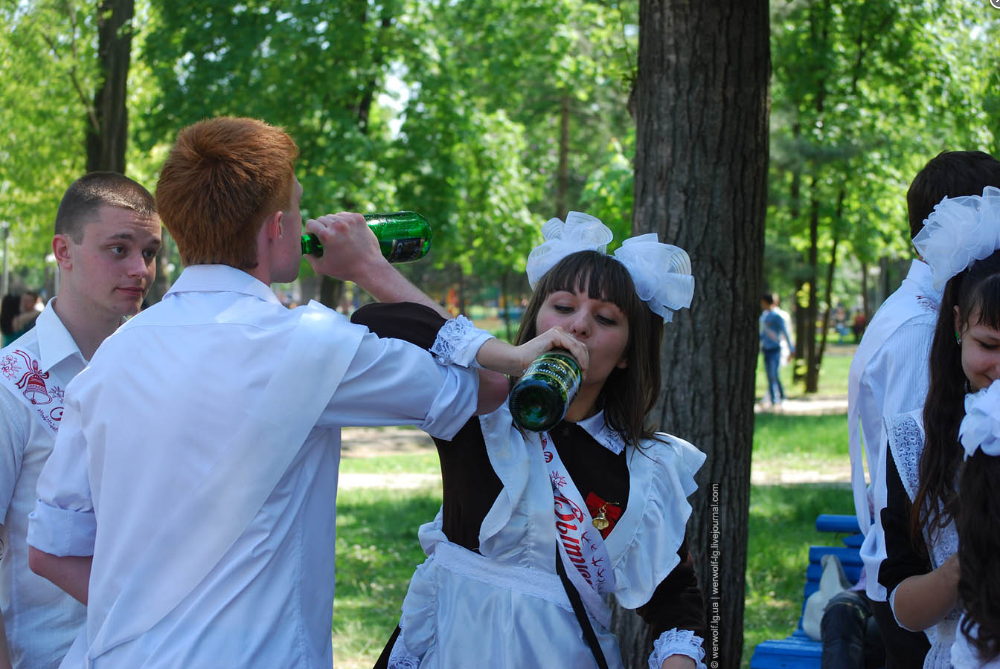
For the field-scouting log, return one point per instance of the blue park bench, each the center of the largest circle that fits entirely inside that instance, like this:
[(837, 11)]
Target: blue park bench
[(799, 650)]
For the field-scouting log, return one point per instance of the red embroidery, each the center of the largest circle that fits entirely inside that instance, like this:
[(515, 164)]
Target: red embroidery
[(32, 382)]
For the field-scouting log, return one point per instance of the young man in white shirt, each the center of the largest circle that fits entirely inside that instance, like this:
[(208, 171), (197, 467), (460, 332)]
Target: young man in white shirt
[(889, 374), (106, 238), (190, 498)]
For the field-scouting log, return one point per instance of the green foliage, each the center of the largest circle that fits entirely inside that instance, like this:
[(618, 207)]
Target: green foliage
[(47, 55), (864, 95)]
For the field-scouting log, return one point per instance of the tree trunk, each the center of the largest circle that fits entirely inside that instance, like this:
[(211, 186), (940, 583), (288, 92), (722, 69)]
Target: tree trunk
[(161, 284), (812, 309), (504, 303), (562, 184), (795, 210), (865, 302), (106, 144), (701, 182), (801, 316), (831, 271)]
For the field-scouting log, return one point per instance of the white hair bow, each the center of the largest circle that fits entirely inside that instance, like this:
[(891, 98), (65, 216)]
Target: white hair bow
[(958, 232), (661, 272), (980, 428)]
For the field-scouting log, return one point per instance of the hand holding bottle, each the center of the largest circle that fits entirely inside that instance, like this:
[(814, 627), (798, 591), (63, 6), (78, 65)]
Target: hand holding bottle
[(350, 249), (513, 360)]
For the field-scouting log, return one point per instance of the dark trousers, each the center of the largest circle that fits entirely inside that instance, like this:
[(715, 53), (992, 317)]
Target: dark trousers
[(851, 638), (903, 649)]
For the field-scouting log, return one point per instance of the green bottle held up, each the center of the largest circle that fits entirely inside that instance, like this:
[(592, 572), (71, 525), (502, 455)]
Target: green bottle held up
[(540, 398), (402, 236)]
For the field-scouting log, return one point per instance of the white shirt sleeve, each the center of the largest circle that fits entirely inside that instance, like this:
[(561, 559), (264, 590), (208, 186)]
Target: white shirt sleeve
[(901, 372), (13, 438), (63, 522), (393, 382)]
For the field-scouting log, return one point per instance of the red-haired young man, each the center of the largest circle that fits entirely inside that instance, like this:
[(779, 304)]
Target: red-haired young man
[(190, 497)]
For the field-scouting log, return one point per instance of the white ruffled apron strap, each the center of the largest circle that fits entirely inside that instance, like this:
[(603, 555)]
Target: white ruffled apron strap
[(863, 447), (581, 546), (22, 375), (203, 526)]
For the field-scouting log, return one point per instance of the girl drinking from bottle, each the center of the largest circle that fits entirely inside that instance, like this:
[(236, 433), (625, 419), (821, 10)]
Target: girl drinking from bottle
[(536, 527), (923, 565)]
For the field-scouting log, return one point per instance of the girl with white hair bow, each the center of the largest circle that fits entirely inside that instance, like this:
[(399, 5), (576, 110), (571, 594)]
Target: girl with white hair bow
[(536, 528), (928, 489)]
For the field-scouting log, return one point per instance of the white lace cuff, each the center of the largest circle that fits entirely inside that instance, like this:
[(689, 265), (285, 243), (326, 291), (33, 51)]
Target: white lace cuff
[(458, 341), (677, 642)]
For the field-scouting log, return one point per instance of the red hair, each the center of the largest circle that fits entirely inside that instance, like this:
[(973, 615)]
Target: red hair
[(223, 177)]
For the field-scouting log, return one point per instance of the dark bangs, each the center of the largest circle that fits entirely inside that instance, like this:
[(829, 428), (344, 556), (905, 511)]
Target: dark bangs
[(628, 394), (605, 278), (982, 296)]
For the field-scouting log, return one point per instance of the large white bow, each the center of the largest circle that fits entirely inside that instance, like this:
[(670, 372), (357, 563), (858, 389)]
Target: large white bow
[(981, 426), (661, 272), (958, 232)]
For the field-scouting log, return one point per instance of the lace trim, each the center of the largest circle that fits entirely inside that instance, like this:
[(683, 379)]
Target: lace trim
[(677, 642), (906, 442), (400, 657), (454, 339)]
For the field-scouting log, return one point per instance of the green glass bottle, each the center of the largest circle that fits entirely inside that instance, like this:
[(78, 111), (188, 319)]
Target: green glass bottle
[(540, 398), (402, 236)]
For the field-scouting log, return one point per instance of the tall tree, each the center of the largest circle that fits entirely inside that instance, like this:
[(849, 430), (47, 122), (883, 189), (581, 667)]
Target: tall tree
[(701, 103), (107, 134)]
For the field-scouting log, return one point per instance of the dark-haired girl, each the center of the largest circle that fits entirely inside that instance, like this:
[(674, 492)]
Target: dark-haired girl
[(536, 528), (920, 475), (978, 516)]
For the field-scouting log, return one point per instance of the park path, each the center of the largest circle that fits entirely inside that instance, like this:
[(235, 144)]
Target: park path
[(380, 442)]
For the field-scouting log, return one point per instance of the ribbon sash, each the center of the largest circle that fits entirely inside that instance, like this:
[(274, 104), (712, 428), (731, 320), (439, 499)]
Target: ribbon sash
[(21, 374), (581, 546)]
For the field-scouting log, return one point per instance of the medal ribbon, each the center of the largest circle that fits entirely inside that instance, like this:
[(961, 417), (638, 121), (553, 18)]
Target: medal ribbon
[(581, 547)]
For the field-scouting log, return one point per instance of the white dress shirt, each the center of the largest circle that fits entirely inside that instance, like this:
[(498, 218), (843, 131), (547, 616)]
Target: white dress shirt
[(889, 375), (197, 463), (40, 619)]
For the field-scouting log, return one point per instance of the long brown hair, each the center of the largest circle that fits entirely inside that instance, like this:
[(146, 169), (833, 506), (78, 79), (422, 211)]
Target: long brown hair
[(628, 394), (976, 293), (978, 525)]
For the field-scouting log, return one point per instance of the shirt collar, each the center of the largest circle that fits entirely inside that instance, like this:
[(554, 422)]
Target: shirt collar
[(923, 276), (221, 279), (55, 343), (602, 434)]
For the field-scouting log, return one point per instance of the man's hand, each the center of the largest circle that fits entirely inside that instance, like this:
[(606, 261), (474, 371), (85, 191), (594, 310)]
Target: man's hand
[(350, 249)]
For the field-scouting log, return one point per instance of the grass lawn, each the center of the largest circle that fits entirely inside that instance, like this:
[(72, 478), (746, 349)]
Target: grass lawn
[(377, 547), (832, 373)]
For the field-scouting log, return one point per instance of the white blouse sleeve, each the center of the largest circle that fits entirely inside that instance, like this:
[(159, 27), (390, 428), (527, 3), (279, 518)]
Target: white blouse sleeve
[(677, 642)]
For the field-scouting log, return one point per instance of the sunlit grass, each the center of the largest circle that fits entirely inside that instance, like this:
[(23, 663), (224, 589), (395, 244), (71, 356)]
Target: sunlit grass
[(377, 551), (832, 374), (781, 529)]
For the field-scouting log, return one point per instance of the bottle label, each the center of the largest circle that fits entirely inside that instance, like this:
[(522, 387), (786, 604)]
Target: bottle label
[(559, 373), (405, 249)]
